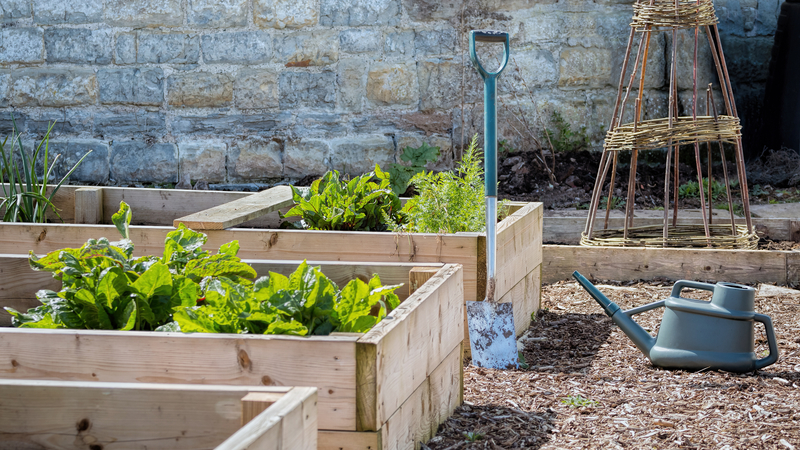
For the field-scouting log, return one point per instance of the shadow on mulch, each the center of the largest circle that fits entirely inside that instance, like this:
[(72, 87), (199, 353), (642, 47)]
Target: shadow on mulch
[(492, 427), (565, 342)]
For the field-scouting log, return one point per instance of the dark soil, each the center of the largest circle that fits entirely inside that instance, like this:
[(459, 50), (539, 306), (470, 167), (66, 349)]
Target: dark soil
[(588, 387), (773, 178)]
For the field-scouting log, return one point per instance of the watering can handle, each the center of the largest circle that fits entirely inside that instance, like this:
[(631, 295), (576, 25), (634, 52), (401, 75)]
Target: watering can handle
[(488, 36), (680, 284), (773, 344)]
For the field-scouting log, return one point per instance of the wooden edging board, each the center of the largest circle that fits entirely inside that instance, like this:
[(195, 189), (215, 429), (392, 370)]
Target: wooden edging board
[(519, 255), (634, 263), (386, 389), (69, 414)]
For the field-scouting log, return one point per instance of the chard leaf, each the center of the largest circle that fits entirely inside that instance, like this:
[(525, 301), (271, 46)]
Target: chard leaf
[(190, 322), (221, 265), (157, 280), (122, 219), (353, 303), (184, 292), (230, 249), (171, 327), (292, 327), (127, 315), (112, 285)]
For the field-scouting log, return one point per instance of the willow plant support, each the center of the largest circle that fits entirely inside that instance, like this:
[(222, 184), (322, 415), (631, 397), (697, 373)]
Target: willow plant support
[(671, 133)]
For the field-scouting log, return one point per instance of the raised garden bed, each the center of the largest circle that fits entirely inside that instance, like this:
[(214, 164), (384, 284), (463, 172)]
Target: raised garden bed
[(64, 414), (519, 254), (388, 388)]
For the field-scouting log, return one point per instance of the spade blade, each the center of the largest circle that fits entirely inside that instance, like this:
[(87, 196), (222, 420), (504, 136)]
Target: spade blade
[(491, 335)]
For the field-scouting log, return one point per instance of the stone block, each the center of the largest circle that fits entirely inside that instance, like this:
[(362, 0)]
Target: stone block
[(356, 13), (748, 59), (94, 169), (535, 68), (63, 122), (436, 42), (53, 87), (432, 10), (21, 45), (137, 123), (303, 49), (15, 9), (285, 13), (319, 125), (657, 75), (143, 86), (133, 161), (240, 47), (50, 12), (256, 89), (203, 160), (125, 51), (399, 44), (392, 84), (440, 84), (78, 45), (356, 155), (352, 80), (304, 157), (172, 48), (585, 67), (200, 89), (144, 13), (358, 40), (231, 124), (5, 89), (217, 13), (255, 159), (307, 90)]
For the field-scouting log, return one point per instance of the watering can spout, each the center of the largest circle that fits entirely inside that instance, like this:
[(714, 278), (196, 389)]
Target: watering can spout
[(640, 337)]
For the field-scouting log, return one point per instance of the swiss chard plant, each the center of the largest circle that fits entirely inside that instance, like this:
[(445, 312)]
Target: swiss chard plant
[(304, 303), (359, 204), (415, 158), (105, 287)]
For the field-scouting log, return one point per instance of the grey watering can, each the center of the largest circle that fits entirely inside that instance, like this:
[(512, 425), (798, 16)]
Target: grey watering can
[(696, 334)]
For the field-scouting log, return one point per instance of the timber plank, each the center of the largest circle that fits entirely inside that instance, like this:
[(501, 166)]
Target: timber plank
[(410, 346), (327, 363), (155, 416), (239, 211), (633, 263), (89, 205), (349, 440)]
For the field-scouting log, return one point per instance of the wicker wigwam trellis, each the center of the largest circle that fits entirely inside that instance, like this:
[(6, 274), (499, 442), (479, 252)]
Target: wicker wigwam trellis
[(672, 132)]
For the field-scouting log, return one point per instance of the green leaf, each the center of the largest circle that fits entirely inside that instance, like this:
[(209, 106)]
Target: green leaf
[(122, 219), (230, 249), (221, 265), (157, 280), (291, 327), (353, 303)]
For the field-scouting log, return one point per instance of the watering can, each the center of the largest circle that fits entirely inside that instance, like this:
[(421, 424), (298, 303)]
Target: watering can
[(696, 334)]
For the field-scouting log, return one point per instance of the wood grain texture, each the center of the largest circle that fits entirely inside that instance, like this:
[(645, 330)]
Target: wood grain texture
[(407, 348), (89, 206), (327, 363), (417, 276), (348, 440), (428, 406), (239, 211), (254, 403), (612, 263), (76, 415)]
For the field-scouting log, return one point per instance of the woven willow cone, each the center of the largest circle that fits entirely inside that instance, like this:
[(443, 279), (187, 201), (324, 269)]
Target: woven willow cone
[(670, 133)]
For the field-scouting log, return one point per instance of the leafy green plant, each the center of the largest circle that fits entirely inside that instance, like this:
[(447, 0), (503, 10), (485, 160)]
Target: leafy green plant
[(691, 189), (305, 303), (104, 287), (449, 202), (25, 198), (616, 202), (400, 174), (360, 204), (473, 436), (576, 401), (563, 138), (737, 208)]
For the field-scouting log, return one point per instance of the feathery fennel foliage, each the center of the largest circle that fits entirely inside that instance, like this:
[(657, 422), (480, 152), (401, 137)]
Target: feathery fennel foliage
[(449, 202)]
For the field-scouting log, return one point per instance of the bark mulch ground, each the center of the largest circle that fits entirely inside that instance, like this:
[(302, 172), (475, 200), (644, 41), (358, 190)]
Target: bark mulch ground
[(588, 387)]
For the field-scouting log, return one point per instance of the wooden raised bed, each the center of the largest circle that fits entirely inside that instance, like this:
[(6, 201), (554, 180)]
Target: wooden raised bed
[(519, 240), (81, 415), (386, 389)]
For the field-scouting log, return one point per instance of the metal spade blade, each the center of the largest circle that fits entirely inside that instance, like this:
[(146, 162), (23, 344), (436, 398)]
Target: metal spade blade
[(491, 335)]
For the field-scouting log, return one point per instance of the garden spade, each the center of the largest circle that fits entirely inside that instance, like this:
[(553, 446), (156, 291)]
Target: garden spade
[(491, 324)]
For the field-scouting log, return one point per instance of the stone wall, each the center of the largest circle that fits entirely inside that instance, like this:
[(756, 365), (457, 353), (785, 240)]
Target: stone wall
[(234, 91)]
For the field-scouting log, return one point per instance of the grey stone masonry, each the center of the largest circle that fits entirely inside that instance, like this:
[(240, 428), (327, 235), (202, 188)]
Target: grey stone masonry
[(246, 91)]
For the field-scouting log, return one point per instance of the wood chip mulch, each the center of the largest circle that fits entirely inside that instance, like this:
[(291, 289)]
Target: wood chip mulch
[(588, 387)]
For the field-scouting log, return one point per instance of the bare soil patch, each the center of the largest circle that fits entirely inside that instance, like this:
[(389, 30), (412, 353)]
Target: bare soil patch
[(588, 387)]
